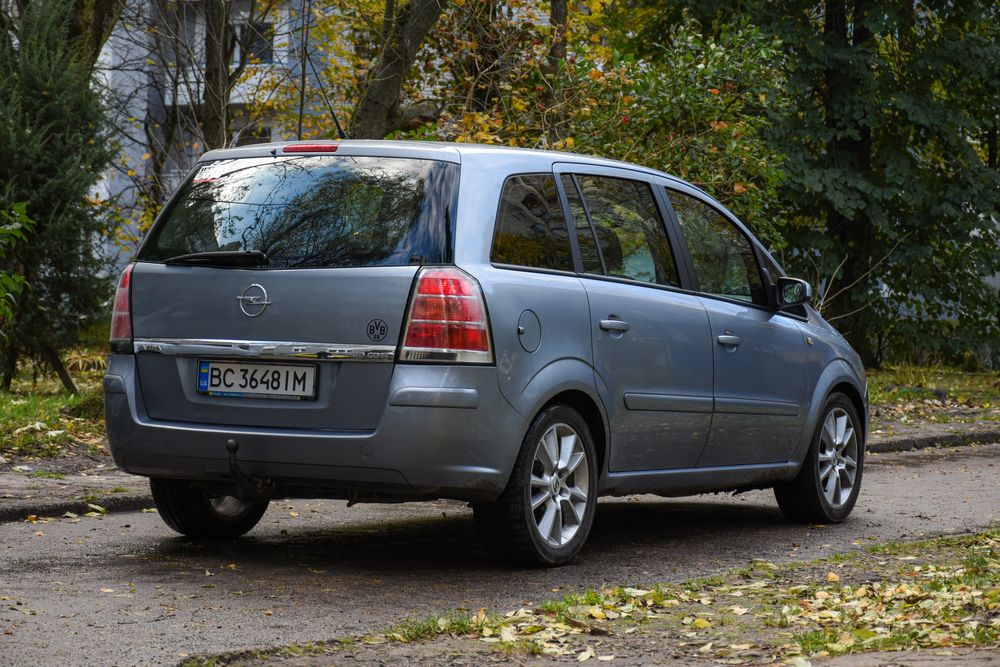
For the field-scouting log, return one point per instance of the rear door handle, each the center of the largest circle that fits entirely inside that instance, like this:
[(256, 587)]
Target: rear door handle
[(729, 341), (614, 325)]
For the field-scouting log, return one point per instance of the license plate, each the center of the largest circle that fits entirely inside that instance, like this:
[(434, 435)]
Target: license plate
[(223, 378)]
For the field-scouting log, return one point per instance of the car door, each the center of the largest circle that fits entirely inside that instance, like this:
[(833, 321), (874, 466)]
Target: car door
[(652, 356), (760, 353)]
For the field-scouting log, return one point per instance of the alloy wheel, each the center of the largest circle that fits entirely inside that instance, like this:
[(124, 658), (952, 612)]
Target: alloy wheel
[(838, 457), (560, 484)]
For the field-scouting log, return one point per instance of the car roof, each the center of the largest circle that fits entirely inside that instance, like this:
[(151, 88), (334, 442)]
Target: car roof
[(437, 150)]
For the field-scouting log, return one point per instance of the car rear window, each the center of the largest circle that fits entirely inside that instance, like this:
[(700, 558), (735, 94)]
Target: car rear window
[(313, 211)]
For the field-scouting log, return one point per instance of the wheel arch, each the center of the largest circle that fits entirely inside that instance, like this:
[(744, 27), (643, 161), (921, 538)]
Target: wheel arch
[(571, 382), (587, 408), (839, 377)]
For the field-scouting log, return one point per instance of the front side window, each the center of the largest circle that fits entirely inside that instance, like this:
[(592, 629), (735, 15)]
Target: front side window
[(630, 232), (319, 211), (531, 229), (724, 261)]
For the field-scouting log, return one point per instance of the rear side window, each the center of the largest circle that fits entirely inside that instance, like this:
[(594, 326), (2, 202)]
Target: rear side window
[(584, 235), (531, 229), (630, 232), (723, 258), (313, 211)]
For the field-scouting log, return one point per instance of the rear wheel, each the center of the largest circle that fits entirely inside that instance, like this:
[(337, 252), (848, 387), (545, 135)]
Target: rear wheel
[(545, 513), (196, 513), (828, 484)]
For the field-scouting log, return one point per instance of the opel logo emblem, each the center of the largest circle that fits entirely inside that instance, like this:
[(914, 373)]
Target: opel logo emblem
[(253, 300)]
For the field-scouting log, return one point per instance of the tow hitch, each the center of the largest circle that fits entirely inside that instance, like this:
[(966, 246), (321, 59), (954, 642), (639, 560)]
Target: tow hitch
[(247, 488)]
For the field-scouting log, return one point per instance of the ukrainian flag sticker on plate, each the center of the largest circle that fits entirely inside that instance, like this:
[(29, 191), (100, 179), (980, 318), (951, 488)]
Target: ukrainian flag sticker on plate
[(203, 376)]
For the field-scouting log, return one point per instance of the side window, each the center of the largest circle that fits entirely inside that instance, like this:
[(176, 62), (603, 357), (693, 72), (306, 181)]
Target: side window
[(584, 234), (629, 230), (531, 229), (723, 258)]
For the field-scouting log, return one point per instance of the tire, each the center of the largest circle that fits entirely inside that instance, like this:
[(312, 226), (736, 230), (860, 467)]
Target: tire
[(198, 514), (565, 491), (829, 481)]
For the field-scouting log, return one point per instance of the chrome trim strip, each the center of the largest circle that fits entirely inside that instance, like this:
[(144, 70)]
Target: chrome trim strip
[(264, 349)]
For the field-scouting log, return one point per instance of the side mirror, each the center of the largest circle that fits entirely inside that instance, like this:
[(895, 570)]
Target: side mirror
[(791, 292)]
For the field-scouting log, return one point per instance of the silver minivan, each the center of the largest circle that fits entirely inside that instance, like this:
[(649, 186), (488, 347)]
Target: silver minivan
[(525, 330)]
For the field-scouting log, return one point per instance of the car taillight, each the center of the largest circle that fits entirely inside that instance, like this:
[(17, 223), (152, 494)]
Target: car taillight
[(447, 319), (121, 315)]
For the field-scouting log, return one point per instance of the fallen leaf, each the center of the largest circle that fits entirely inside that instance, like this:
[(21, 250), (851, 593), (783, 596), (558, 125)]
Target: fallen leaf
[(585, 655), (832, 576)]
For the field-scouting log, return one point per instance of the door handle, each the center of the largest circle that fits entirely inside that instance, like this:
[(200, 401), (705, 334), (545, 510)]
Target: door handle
[(729, 341), (614, 325)]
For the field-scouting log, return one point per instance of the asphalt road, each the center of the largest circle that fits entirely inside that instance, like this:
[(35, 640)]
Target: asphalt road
[(122, 589)]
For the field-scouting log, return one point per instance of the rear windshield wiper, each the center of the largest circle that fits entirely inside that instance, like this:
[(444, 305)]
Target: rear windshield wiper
[(221, 258)]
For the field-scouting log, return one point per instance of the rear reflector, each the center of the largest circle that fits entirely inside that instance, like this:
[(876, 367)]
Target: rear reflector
[(310, 148), (447, 320), (121, 315)]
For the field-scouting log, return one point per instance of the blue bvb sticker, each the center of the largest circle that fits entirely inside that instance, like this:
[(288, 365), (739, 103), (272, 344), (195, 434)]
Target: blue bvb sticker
[(203, 376)]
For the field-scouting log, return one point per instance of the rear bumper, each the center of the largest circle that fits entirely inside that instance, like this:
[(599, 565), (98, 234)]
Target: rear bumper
[(446, 432)]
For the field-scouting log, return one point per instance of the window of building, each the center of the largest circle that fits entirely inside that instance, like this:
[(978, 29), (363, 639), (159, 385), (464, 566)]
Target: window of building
[(257, 38)]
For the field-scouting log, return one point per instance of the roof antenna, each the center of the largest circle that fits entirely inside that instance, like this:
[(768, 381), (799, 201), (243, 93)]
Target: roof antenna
[(306, 10), (326, 99)]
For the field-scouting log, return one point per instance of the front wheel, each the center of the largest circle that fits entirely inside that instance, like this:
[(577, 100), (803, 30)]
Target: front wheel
[(196, 513), (828, 484), (544, 515)]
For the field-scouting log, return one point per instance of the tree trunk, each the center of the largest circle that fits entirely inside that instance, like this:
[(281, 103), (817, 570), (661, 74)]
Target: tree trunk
[(92, 23), (377, 113), (10, 354), (991, 146), (52, 358), (855, 233), (215, 106), (486, 57), (558, 22)]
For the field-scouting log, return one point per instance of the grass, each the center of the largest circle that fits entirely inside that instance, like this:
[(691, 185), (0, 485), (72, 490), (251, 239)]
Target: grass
[(907, 383), (47, 474), (39, 418), (937, 594)]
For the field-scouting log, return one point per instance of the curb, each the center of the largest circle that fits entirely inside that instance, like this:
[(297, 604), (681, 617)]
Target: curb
[(905, 444), (20, 509)]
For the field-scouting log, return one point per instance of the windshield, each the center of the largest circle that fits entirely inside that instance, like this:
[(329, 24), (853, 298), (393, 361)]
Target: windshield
[(313, 212)]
